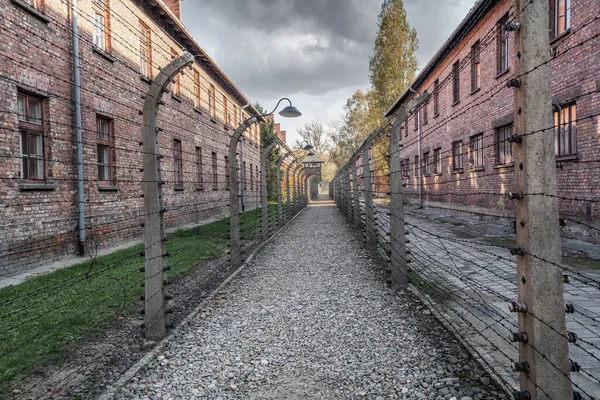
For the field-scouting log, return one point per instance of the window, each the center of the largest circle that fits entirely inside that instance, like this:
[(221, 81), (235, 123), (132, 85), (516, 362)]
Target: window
[(197, 91), (502, 45), (406, 128), (226, 172), (106, 153), (457, 156), (199, 166), (565, 128), (176, 87), (251, 177), (235, 115), (226, 116), (475, 66), (100, 21), (476, 150), (562, 16), (436, 98), (456, 82), (504, 151), (425, 111), (416, 166), (212, 107), (437, 161), (214, 171), (245, 176), (416, 118), (177, 163), (426, 164), (145, 51), (37, 4), (405, 167), (257, 178), (31, 128)]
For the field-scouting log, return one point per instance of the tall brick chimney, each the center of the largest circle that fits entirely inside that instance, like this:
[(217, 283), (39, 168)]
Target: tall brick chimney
[(174, 6)]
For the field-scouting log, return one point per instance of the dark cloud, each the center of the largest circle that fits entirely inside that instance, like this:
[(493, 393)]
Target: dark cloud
[(313, 51)]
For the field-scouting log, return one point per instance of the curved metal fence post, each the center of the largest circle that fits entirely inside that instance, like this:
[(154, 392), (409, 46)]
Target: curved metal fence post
[(347, 174), (264, 189), (155, 315)]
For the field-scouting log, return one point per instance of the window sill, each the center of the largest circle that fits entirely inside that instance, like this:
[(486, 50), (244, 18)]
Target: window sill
[(501, 166), (200, 187), (426, 175), (500, 74), (476, 90), (458, 171), (42, 186), (199, 111), (455, 103), (572, 157), (103, 53), (225, 127), (214, 120), (31, 10), (215, 188), (108, 188), (560, 37), (178, 188), (176, 97), (145, 79), (477, 169), (436, 115), (438, 174)]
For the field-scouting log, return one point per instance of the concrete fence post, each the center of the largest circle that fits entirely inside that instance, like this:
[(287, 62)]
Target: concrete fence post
[(369, 210), (398, 262), (155, 256), (264, 195), (538, 252), (355, 191), (288, 189)]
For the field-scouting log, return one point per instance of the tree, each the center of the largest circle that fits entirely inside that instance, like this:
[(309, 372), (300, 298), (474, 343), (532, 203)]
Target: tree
[(267, 137), (393, 66), (314, 133)]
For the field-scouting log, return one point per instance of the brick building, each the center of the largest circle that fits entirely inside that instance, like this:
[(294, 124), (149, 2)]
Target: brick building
[(123, 44), (466, 156)]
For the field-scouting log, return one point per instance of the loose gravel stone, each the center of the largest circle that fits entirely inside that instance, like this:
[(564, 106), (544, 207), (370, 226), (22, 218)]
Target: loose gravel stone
[(311, 317)]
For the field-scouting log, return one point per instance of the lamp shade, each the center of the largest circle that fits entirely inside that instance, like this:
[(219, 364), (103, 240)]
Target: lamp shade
[(290, 112)]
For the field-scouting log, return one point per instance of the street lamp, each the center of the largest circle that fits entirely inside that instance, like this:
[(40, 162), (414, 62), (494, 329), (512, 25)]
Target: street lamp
[(234, 219)]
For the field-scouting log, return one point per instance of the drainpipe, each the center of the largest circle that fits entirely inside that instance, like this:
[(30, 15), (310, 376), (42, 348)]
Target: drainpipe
[(77, 121)]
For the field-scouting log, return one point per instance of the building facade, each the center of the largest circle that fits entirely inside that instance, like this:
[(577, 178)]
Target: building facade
[(465, 129), (123, 44)]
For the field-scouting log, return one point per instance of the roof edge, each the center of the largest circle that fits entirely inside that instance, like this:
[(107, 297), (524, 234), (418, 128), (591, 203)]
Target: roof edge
[(479, 9)]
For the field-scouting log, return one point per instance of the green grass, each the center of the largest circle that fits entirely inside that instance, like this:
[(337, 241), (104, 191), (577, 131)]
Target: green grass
[(42, 316), (582, 262)]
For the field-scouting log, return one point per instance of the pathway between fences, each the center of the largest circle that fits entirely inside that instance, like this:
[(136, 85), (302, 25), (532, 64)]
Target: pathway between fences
[(311, 316)]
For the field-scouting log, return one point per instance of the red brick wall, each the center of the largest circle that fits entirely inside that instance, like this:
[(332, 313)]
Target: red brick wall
[(575, 77), (35, 55)]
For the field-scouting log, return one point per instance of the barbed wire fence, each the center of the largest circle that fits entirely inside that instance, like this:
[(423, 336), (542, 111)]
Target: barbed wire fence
[(530, 319), (169, 187)]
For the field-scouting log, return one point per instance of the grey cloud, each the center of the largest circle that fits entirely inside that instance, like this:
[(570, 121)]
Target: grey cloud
[(307, 49)]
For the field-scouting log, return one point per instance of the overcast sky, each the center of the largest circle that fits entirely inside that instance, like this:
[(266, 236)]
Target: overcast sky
[(316, 52)]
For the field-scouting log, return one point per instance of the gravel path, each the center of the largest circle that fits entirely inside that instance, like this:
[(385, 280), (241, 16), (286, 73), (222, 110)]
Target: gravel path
[(312, 318)]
